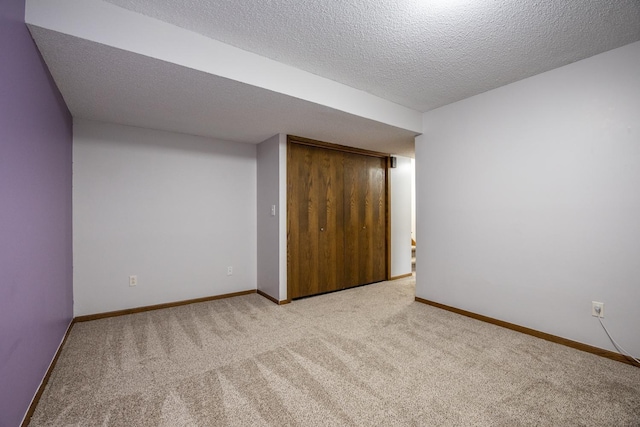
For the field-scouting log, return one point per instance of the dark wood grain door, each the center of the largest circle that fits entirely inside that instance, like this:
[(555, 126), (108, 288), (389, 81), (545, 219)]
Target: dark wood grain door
[(365, 219), (315, 224)]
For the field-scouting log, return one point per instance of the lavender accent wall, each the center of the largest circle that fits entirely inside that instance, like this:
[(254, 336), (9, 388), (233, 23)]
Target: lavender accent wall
[(35, 216)]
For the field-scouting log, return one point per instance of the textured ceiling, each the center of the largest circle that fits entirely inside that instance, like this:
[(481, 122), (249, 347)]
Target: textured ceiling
[(421, 54), (107, 84), (418, 53)]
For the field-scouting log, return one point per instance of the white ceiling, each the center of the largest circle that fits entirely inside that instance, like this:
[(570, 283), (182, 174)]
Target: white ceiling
[(420, 54), (108, 84)]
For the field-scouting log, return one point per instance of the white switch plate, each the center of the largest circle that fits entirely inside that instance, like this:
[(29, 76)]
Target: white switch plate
[(273, 210), (229, 271), (133, 280)]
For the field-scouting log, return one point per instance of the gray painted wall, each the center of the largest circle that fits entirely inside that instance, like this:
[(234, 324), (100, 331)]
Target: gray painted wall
[(269, 226), (528, 201), (173, 209), (401, 182)]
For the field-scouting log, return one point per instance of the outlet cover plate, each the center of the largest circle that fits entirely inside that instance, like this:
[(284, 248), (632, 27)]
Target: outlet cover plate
[(595, 304)]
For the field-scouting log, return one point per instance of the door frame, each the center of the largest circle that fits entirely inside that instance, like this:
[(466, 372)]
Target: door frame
[(293, 139)]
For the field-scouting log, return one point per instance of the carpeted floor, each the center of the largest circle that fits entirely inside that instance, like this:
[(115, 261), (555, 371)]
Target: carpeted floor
[(365, 356)]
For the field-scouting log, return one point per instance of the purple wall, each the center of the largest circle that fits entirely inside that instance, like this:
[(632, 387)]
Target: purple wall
[(36, 293)]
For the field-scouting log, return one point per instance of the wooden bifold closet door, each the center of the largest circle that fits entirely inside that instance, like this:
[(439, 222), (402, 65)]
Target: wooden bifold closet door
[(365, 219), (336, 219)]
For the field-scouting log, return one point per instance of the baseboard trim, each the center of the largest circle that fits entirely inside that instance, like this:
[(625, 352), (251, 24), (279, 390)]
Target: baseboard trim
[(36, 398), (159, 306), (267, 296), (402, 276), (272, 299), (538, 334)]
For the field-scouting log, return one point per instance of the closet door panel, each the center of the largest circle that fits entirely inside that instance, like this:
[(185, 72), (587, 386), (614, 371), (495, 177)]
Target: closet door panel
[(331, 219), (365, 220), (354, 196), (377, 224), (299, 230), (315, 221)]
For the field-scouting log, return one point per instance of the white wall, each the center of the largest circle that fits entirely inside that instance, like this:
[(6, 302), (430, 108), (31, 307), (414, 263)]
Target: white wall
[(413, 199), (173, 209), (529, 201), (283, 216), (271, 185), (401, 177)]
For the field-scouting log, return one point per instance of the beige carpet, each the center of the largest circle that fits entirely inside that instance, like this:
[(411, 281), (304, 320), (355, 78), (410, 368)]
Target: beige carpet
[(365, 356)]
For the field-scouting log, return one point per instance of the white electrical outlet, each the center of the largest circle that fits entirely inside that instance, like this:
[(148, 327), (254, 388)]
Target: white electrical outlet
[(597, 309), (133, 280), (229, 271)]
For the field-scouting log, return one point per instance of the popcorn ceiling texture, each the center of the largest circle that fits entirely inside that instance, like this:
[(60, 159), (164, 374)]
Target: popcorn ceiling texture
[(107, 84), (418, 53)]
